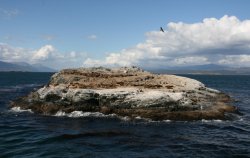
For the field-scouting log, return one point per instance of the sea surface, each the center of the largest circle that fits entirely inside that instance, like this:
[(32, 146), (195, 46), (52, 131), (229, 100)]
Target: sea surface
[(27, 135)]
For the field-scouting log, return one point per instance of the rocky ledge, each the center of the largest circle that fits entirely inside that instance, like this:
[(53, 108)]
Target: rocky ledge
[(128, 92)]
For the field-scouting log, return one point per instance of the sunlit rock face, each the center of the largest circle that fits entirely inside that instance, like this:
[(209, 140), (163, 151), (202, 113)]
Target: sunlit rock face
[(127, 91)]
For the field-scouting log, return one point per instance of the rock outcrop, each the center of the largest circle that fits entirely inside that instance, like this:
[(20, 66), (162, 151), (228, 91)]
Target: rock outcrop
[(127, 92)]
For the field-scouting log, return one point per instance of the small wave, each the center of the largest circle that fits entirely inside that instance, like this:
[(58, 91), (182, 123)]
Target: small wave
[(138, 117), (18, 109), (18, 87), (111, 133), (125, 118), (204, 120), (26, 85), (162, 121), (145, 119), (167, 120), (76, 114), (7, 90)]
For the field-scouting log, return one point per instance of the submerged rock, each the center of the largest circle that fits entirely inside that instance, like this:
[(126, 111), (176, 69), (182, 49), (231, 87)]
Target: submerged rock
[(127, 91)]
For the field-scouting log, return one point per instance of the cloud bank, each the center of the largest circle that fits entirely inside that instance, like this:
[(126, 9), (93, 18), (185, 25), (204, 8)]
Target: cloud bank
[(46, 55), (224, 41)]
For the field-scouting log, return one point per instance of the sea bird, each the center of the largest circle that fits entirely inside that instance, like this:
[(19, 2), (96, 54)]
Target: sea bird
[(161, 29)]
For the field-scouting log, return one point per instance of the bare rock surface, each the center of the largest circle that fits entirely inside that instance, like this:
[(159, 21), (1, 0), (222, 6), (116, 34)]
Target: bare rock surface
[(127, 91)]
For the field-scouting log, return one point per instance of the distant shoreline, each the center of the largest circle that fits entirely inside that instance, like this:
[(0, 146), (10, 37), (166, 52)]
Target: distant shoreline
[(173, 73)]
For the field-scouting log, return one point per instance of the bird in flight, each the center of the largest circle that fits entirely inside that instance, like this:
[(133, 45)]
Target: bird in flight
[(161, 29)]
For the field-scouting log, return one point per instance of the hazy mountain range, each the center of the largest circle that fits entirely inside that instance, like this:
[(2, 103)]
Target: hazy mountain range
[(210, 69), (22, 66)]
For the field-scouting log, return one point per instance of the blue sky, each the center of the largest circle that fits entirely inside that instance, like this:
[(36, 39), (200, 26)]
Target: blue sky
[(96, 29)]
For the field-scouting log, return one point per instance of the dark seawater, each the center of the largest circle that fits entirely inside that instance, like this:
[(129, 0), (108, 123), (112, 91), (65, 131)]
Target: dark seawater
[(26, 135)]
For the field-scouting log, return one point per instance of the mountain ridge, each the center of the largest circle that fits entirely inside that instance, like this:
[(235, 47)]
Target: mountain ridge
[(24, 67), (211, 69)]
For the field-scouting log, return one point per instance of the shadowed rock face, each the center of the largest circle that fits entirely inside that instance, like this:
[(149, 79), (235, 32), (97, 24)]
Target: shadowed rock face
[(127, 92)]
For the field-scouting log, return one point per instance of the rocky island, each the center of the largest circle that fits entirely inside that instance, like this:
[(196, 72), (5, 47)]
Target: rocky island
[(127, 91)]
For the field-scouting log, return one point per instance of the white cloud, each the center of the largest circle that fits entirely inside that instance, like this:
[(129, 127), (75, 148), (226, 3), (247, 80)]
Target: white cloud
[(8, 53), (46, 55), (92, 37), (224, 41), (209, 41), (72, 54)]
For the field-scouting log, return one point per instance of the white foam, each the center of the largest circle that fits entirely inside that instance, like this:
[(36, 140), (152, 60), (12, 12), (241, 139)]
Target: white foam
[(217, 120), (241, 119), (138, 117), (76, 114), (166, 120), (18, 109), (125, 118), (212, 90), (203, 120), (85, 114), (60, 113)]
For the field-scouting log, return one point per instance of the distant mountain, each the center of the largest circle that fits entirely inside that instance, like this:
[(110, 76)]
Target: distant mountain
[(43, 68), (204, 67), (22, 66), (211, 69)]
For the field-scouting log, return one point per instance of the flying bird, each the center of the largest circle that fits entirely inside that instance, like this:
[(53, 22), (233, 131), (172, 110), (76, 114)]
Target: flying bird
[(161, 29)]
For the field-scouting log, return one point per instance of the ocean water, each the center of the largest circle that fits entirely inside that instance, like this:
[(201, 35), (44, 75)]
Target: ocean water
[(27, 135)]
